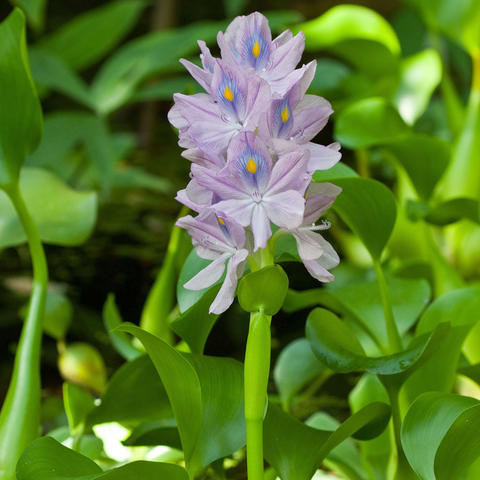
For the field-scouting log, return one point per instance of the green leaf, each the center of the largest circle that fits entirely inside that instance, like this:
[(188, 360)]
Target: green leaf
[(356, 34), (208, 399), (46, 455), (312, 445), (444, 213), (296, 367), (21, 121), (343, 459), (63, 217), (375, 452), (424, 158), (78, 404), (86, 39), (134, 395), (368, 208), (336, 345), (51, 72), (369, 122), (420, 75), (263, 290), (195, 324), (155, 433), (34, 11), (460, 308), (440, 435), (120, 341), (339, 170)]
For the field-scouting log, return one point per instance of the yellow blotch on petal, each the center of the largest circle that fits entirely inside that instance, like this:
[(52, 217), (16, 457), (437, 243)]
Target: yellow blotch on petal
[(306, 195), (284, 114), (256, 49), (228, 94), (221, 221), (251, 165)]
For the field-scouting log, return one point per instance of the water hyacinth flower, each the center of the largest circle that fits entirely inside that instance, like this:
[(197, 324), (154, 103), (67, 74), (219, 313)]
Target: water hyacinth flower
[(249, 138)]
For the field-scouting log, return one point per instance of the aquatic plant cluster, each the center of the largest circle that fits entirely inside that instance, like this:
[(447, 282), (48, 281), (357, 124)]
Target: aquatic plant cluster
[(249, 140)]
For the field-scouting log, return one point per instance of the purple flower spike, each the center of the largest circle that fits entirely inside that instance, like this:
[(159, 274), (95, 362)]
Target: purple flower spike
[(316, 253), (220, 239), (253, 192), (248, 42), (202, 76)]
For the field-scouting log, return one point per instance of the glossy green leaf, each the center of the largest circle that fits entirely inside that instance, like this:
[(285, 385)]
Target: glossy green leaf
[(46, 455), (51, 72), (344, 459), (78, 404), (195, 324), (445, 213), (21, 121), (134, 394), (34, 11), (424, 158), (440, 435), (351, 31), (420, 75), (336, 345), (263, 290), (296, 367), (208, 399), (461, 309), (281, 431), (360, 305), (155, 433), (368, 208), (120, 341), (369, 122), (63, 217), (375, 452), (86, 39), (339, 170)]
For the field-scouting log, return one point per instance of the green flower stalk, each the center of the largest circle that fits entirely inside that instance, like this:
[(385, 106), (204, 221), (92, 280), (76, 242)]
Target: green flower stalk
[(20, 414)]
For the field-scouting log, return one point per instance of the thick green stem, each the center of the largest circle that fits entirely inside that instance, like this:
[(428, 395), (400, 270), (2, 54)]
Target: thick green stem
[(394, 340), (257, 369), (20, 415)]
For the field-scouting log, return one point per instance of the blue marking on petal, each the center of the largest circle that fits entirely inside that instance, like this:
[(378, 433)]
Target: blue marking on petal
[(282, 118), (256, 178), (256, 51), (230, 96)]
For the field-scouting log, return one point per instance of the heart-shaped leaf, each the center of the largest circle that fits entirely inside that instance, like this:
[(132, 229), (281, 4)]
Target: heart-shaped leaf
[(424, 158), (369, 122), (420, 75), (440, 435), (208, 399), (282, 431), (45, 459), (356, 34), (368, 208), (461, 308), (21, 121), (336, 345), (63, 217)]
